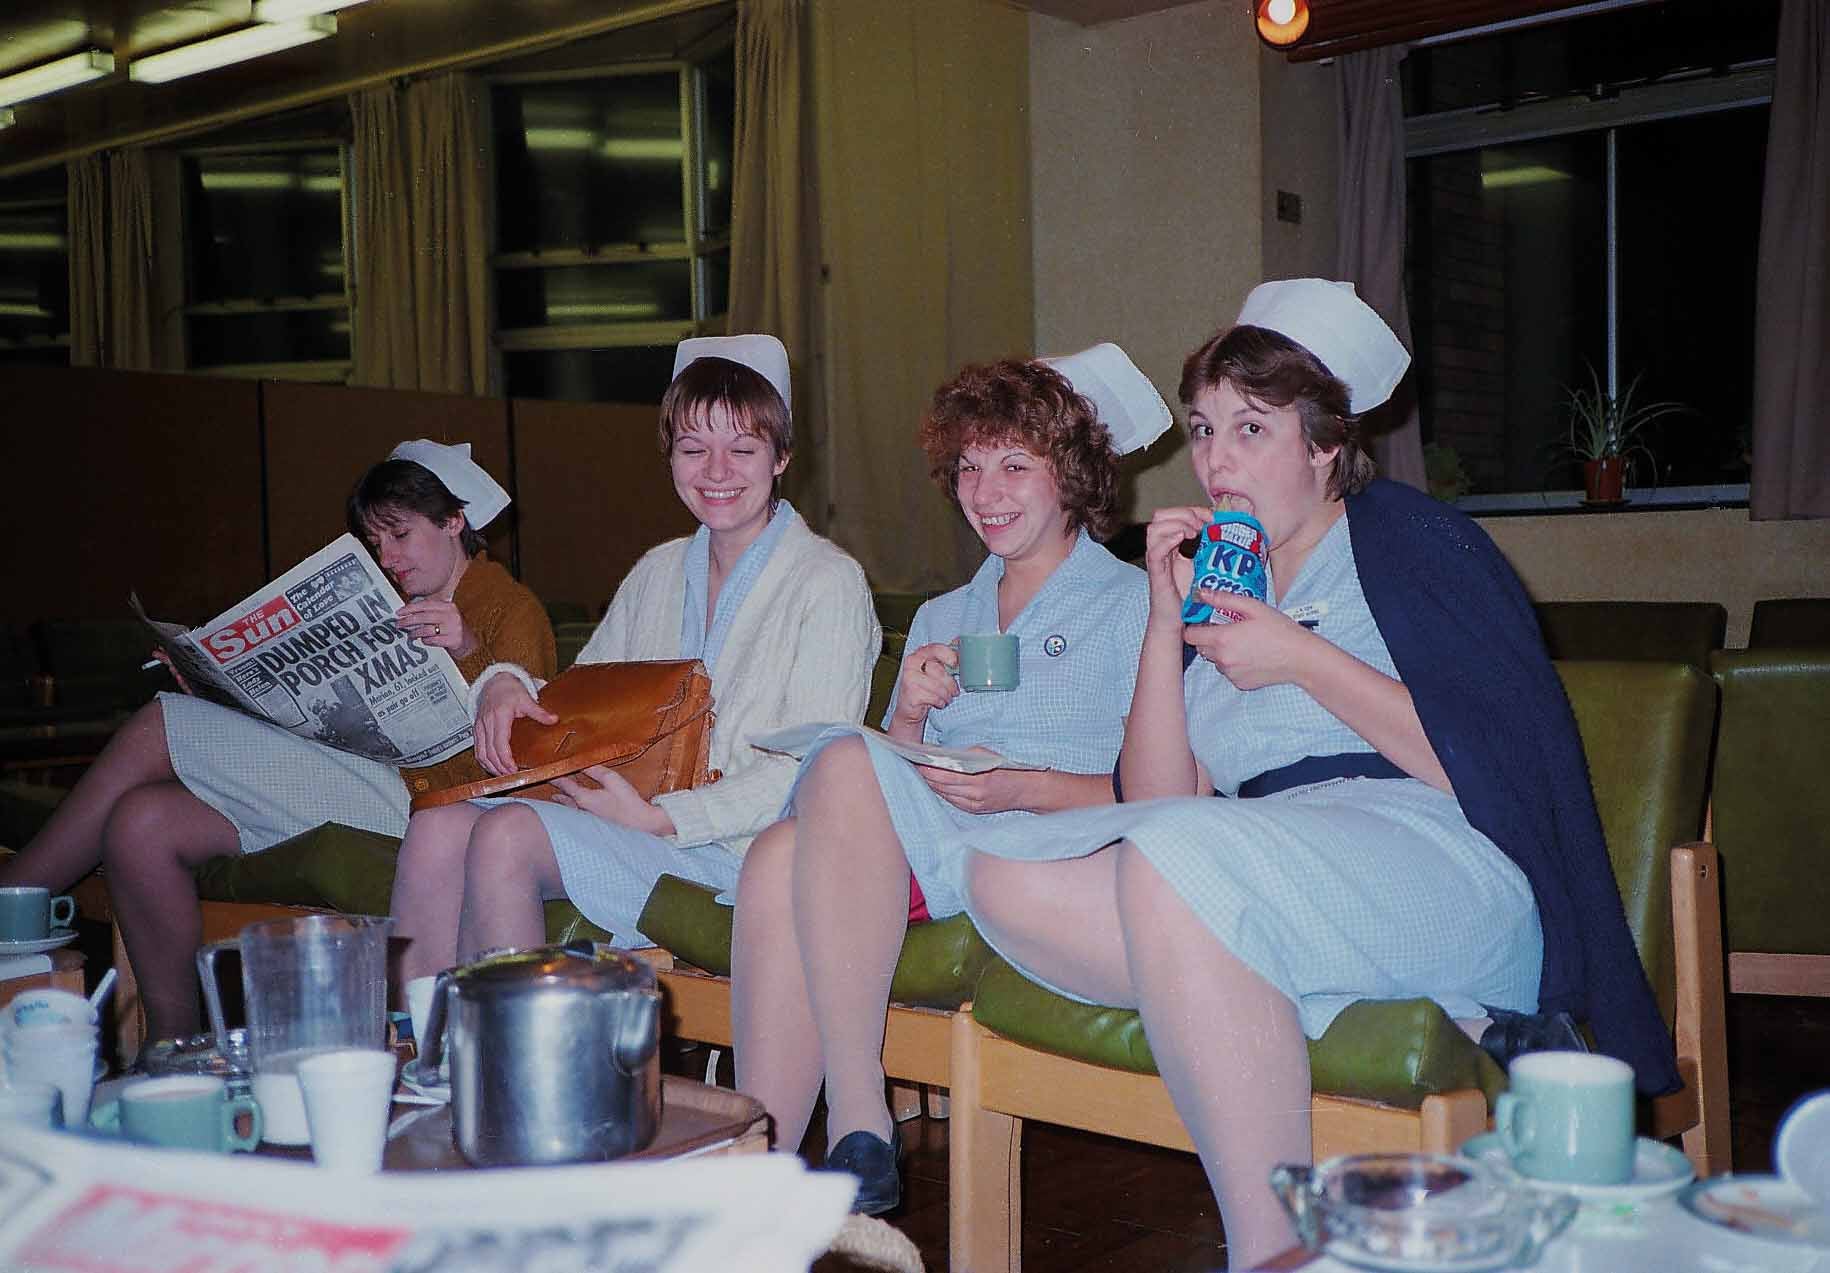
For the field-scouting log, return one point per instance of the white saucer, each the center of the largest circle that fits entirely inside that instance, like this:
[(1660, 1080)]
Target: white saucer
[(1658, 1170), (1759, 1207), (437, 1089), (37, 945)]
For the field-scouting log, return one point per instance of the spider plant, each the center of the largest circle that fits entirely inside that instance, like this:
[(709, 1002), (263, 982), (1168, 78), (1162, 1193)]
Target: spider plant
[(1603, 426)]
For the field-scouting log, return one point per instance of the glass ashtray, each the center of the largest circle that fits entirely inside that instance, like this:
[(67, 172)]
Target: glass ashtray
[(1418, 1213), (198, 1054)]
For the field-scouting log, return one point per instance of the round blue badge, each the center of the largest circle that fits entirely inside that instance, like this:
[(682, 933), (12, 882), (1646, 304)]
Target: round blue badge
[(1055, 646)]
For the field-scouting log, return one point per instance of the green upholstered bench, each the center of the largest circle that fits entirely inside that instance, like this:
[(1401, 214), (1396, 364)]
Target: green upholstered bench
[(1796, 622), (1770, 806), (1388, 1075)]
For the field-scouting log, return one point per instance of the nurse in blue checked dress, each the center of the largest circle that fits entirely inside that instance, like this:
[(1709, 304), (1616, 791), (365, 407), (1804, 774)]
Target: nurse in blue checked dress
[(782, 619), (1407, 813), (1027, 449)]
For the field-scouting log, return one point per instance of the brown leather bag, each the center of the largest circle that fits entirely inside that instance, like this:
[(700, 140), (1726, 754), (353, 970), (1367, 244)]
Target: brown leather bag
[(651, 722)]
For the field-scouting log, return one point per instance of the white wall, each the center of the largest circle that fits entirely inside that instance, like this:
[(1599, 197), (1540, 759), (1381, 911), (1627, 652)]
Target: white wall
[(1145, 190)]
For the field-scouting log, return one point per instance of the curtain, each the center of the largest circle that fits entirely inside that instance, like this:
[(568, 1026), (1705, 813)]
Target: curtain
[(926, 257), (1370, 240), (141, 295), (88, 220), (1791, 410), (775, 250), (421, 180)]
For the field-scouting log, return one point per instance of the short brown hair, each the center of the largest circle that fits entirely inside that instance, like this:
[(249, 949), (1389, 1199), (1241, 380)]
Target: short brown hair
[(1269, 367), (394, 489), (749, 400), (1032, 406)]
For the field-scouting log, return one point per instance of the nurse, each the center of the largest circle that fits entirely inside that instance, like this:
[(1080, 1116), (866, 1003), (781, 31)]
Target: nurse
[(1406, 809), (785, 625), (1029, 449)]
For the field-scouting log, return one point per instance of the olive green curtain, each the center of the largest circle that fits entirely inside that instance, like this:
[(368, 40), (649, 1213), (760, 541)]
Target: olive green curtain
[(88, 220), (775, 249), (1370, 237), (420, 205), (1791, 470)]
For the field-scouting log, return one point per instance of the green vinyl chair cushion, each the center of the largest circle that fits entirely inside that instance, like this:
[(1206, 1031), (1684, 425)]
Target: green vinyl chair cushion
[(1396, 1051), (1772, 801), (939, 967), (340, 868), (1794, 622)]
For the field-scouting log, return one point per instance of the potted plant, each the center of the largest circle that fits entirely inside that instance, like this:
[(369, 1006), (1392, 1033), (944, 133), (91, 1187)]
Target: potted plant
[(1605, 434)]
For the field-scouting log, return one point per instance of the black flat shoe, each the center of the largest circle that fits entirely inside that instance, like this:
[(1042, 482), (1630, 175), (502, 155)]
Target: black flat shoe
[(873, 1161), (1513, 1034)]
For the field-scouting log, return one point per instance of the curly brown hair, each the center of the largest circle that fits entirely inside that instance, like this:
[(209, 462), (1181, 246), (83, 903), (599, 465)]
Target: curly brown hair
[(1031, 405), (1269, 367)]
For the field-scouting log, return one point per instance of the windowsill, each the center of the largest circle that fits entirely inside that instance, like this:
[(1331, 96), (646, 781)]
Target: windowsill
[(1639, 499)]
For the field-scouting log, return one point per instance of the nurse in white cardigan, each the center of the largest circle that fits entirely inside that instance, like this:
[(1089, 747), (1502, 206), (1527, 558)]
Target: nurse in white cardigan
[(785, 624)]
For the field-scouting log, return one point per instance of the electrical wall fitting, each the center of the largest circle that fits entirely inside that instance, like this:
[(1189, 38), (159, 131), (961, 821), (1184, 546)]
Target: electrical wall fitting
[(54, 77), (223, 50)]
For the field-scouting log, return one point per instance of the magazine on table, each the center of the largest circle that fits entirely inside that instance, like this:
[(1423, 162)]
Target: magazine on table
[(796, 740), (318, 653)]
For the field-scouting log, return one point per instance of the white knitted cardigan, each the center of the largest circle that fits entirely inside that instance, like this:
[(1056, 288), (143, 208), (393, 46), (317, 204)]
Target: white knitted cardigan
[(801, 650)]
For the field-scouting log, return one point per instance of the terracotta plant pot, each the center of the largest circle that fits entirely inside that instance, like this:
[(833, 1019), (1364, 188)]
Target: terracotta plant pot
[(1604, 479)]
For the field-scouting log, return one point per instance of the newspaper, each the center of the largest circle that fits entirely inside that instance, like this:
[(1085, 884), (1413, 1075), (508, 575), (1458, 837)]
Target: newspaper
[(318, 653), (796, 740), (79, 1204)]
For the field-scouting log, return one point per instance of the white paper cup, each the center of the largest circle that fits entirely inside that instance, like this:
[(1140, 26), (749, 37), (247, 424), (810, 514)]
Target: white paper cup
[(347, 1094), (32, 1104), (62, 1055), (419, 1007), (35, 1009)]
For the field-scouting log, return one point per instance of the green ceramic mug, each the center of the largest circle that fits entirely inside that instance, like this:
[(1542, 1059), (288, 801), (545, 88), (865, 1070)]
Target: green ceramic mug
[(1569, 1117), (184, 1111), (29, 914), (987, 661)]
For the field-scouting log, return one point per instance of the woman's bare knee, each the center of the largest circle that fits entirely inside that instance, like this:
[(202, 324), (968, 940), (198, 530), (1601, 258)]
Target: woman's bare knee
[(163, 824), (437, 839), (766, 877), (506, 837)]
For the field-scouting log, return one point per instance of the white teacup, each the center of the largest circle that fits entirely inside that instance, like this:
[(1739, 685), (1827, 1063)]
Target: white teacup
[(1801, 1151), (32, 1104)]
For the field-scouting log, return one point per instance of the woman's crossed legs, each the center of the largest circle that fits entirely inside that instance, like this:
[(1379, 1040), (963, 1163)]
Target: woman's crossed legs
[(1228, 1044)]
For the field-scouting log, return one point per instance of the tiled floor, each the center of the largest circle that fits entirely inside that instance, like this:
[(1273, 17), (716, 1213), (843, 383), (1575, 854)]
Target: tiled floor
[(1092, 1203)]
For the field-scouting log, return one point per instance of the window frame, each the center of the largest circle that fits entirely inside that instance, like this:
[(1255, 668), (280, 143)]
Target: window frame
[(317, 371), (1679, 97), (62, 340), (695, 249)]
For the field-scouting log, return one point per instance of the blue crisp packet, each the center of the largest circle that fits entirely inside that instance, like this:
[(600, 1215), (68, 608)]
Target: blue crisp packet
[(1232, 557)]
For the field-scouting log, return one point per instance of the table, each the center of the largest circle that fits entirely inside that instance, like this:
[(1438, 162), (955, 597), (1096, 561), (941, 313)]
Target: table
[(1606, 1239), (695, 1119), (66, 974)]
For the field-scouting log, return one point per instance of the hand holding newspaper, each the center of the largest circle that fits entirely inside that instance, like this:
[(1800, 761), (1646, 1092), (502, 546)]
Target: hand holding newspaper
[(796, 740), (318, 653)]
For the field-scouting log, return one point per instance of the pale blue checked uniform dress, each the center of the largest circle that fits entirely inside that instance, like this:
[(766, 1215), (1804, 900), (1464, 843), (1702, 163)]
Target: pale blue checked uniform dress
[(1079, 638), (1350, 888), (609, 870)]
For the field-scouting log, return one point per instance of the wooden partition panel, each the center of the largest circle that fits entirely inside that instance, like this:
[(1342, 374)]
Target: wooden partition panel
[(128, 480), (595, 495), (321, 438)]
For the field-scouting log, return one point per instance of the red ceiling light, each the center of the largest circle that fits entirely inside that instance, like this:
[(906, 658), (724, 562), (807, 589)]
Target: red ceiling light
[(1281, 23)]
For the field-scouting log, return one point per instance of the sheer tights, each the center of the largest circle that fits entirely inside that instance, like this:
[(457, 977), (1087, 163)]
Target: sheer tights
[(822, 906), (130, 814), (1228, 1045)]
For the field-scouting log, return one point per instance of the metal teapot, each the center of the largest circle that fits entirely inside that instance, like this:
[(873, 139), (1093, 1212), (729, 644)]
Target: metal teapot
[(554, 1054)]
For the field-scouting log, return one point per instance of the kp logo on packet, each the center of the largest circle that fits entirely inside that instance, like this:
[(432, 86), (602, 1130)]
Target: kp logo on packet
[(1233, 556)]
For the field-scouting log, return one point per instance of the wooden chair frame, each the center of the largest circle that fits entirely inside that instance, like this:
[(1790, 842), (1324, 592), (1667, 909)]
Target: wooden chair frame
[(997, 1084)]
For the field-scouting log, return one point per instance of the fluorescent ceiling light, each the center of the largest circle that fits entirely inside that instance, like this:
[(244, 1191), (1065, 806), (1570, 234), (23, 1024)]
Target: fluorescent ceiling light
[(1525, 175), (283, 10), (224, 50), (32, 241), (642, 148), (52, 77)]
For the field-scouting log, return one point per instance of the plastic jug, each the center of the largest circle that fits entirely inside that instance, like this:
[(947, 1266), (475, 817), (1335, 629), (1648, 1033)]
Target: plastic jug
[(310, 985)]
